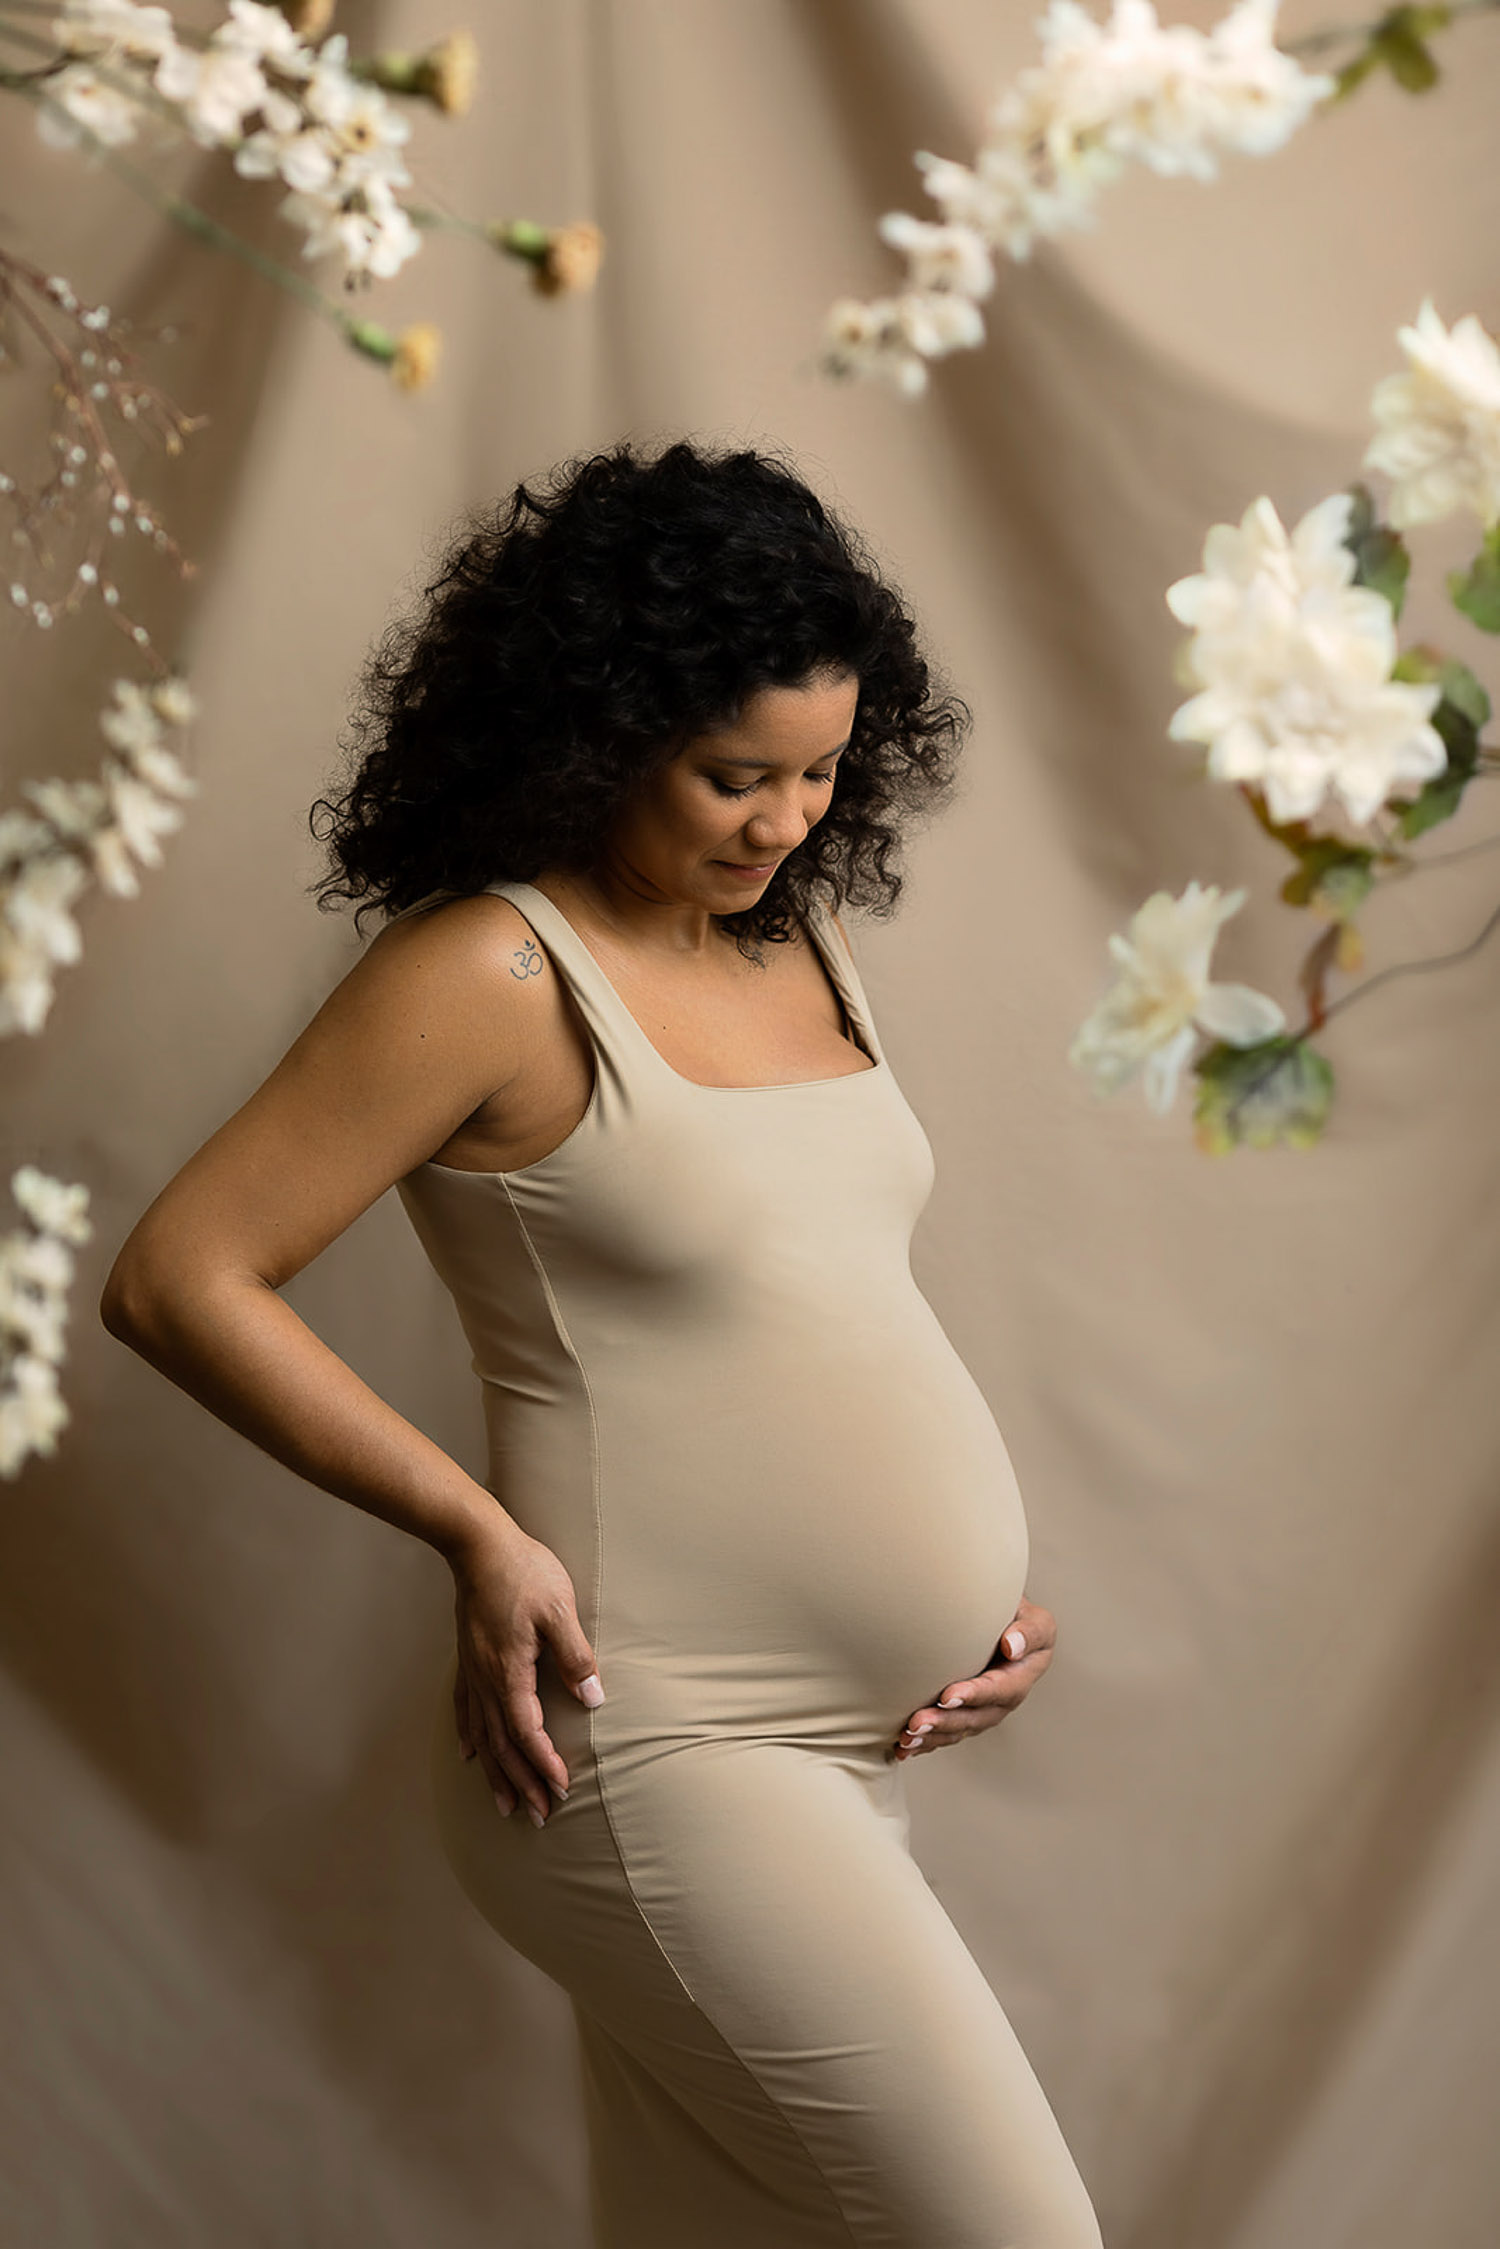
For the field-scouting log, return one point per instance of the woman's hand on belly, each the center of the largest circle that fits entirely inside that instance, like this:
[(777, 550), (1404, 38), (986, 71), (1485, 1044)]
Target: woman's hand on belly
[(971, 1706), (513, 1599)]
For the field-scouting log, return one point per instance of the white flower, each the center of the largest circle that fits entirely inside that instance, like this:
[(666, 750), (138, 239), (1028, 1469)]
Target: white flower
[(51, 1206), (26, 989), (139, 816), (216, 88), (31, 1315), (992, 200), (1294, 666), (300, 155), (1162, 997), (175, 701), (81, 95), (117, 28), (1254, 96), (1103, 96), (36, 902), (939, 321), (1439, 425), (36, 1270), (941, 257), (21, 835), (363, 125), (75, 808), (266, 35), (133, 723), (32, 1411), (871, 340), (375, 238), (163, 769)]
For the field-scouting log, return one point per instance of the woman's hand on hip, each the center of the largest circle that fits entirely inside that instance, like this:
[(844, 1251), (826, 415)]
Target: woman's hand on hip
[(512, 1600), (971, 1706)]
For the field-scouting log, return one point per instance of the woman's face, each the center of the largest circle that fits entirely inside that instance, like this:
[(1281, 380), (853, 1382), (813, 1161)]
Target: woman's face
[(711, 826)]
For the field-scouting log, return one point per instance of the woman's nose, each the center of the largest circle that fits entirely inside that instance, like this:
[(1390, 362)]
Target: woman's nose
[(777, 827)]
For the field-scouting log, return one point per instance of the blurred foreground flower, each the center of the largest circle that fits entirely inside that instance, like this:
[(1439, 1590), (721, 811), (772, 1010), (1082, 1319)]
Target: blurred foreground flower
[(1325, 726), (1439, 424), (1294, 662), (562, 258), (1161, 998), (1104, 96), (82, 831), (312, 117), (36, 1270), (412, 354)]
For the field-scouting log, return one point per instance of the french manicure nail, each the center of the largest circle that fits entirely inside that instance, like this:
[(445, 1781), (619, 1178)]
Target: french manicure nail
[(953, 1702), (505, 1808), (560, 1793), (538, 1819), (590, 1690)]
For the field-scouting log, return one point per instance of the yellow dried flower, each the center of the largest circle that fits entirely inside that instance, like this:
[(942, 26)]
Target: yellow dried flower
[(309, 18), (572, 257), (418, 349), (449, 72)]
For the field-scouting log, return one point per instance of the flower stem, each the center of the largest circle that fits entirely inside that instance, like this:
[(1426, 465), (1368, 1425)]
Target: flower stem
[(1333, 35), (193, 219), (1401, 968)]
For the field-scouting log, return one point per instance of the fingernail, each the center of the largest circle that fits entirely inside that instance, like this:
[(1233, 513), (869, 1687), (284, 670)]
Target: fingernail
[(925, 1727), (950, 1702), (560, 1793), (538, 1819), (1020, 1644), (591, 1691), (505, 1808)]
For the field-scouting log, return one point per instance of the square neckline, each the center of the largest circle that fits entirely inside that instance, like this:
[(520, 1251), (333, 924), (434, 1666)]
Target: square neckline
[(854, 1013), (853, 1006)]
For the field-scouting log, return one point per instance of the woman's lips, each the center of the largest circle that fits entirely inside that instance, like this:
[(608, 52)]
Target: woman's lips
[(749, 874)]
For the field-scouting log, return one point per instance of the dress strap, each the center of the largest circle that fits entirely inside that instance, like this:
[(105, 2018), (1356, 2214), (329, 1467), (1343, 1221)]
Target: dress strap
[(839, 959), (614, 1030)]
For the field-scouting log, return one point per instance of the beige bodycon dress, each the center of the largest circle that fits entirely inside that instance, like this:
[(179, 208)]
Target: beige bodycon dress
[(713, 1388)]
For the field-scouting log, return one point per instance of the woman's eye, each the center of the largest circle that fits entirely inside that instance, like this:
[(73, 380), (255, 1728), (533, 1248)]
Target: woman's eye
[(725, 790)]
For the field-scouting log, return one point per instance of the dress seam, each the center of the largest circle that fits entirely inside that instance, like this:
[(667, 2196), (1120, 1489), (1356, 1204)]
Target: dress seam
[(560, 1325)]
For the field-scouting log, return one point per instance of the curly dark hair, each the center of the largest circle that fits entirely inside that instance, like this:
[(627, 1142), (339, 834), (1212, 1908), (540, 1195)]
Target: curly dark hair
[(580, 634)]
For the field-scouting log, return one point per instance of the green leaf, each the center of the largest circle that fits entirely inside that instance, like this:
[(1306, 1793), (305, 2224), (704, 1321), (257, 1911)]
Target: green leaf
[(1477, 591), (1408, 61), (1345, 886), (1380, 557), (1277, 1092), (1382, 563), (1336, 876), (1351, 75), (1438, 799), (1362, 515), (1460, 714)]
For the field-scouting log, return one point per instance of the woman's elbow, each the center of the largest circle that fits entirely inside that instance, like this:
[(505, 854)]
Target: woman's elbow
[(124, 1302)]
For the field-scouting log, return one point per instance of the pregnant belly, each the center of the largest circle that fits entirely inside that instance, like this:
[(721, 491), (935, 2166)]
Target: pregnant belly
[(831, 1558)]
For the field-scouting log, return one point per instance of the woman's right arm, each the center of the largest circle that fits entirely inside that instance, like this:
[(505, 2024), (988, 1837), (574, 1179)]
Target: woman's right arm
[(428, 1024)]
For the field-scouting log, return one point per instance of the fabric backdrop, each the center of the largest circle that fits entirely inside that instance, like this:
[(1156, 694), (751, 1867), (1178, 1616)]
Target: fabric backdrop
[(1231, 1870)]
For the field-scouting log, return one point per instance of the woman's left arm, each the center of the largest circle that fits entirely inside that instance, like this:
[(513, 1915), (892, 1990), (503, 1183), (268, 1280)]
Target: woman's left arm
[(971, 1706)]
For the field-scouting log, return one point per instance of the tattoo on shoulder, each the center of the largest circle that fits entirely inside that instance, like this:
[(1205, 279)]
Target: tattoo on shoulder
[(527, 959)]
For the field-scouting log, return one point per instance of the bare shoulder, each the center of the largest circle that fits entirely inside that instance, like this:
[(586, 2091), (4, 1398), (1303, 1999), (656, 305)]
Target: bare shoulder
[(450, 947), (442, 1010)]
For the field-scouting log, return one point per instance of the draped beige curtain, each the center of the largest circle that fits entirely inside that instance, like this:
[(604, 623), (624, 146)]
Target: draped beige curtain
[(1231, 1870)]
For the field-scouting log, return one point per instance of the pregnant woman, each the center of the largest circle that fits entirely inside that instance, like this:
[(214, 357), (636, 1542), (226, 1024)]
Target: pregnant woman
[(750, 1537)]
